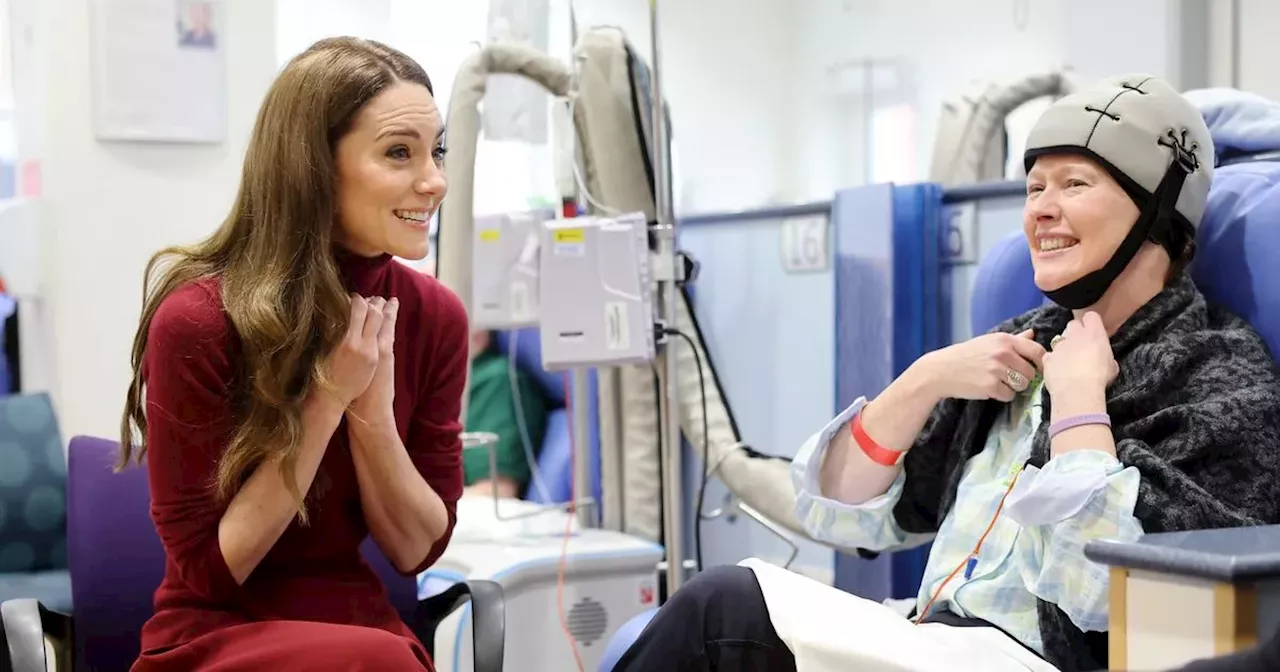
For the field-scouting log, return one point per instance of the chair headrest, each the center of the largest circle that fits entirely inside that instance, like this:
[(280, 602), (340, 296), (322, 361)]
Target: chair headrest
[(1005, 285), (1237, 262), (1238, 258)]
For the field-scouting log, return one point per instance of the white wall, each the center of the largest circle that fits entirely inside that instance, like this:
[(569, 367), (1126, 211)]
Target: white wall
[(110, 205), (301, 22), (929, 51), (731, 97), (1257, 26), (727, 72)]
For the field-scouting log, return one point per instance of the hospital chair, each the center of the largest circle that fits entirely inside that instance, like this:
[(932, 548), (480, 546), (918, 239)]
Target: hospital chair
[(117, 561), (1237, 265), (33, 491)]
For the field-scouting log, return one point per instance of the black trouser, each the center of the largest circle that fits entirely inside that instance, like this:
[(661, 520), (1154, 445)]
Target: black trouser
[(717, 621)]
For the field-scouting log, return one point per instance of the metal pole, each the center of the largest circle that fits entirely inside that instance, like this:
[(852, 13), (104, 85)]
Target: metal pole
[(672, 476), (579, 397)]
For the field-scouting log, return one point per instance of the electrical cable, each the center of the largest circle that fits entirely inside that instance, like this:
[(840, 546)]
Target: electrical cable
[(562, 565), (706, 446)]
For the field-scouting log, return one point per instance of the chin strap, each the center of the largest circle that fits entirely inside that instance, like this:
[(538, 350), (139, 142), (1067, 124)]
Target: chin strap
[(1155, 222)]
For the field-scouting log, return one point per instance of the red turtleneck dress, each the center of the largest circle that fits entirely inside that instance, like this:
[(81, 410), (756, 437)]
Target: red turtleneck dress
[(312, 603)]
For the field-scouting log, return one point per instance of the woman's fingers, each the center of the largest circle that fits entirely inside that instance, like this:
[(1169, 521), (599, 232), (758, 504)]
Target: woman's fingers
[(1015, 371), (387, 336), (359, 309), (1028, 350), (1001, 391), (373, 319)]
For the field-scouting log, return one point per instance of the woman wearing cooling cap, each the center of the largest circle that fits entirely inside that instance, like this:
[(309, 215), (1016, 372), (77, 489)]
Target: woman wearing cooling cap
[(1128, 405)]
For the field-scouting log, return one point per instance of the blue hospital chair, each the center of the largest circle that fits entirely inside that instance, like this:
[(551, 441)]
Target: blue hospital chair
[(1237, 265)]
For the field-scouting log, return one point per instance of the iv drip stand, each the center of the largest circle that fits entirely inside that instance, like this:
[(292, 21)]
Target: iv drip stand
[(672, 471)]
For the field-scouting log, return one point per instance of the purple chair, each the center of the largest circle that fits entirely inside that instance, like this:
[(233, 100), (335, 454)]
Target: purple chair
[(117, 561)]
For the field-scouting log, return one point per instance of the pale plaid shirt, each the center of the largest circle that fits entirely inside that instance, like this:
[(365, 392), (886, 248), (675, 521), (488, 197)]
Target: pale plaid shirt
[(1035, 549)]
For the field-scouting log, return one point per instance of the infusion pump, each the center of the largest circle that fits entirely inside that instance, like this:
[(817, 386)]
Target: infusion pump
[(584, 282)]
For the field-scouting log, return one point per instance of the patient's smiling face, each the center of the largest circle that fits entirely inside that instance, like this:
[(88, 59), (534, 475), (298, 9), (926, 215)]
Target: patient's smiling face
[(1075, 217)]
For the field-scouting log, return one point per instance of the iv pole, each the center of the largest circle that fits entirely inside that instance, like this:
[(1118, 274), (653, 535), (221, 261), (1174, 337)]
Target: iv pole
[(672, 476)]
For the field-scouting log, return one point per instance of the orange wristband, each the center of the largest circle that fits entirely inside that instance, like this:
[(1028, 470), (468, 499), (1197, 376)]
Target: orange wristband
[(878, 453)]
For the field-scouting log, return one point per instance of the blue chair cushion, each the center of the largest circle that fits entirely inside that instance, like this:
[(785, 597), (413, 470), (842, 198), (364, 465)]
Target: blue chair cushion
[(624, 638), (1238, 260), (553, 462), (33, 486), (1004, 286), (52, 588)]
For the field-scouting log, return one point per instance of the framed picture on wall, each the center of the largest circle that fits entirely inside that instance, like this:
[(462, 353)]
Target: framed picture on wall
[(159, 70)]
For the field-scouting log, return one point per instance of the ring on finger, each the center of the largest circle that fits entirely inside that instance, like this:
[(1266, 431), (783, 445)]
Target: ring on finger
[(1016, 380)]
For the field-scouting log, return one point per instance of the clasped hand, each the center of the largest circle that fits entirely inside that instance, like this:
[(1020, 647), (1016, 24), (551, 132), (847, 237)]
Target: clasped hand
[(1082, 361), (362, 367), (1000, 365)]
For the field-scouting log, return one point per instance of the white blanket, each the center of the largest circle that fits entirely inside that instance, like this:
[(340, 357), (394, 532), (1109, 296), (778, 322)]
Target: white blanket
[(829, 630)]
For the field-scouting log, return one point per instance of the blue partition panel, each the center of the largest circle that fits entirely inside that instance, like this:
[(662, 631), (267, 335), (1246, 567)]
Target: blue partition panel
[(890, 309), (922, 318)]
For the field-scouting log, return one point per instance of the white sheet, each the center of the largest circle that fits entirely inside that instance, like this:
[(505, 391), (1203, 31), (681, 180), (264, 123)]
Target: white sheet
[(829, 630)]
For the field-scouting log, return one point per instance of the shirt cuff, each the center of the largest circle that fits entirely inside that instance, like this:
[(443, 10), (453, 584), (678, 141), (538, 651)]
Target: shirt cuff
[(807, 466), (1062, 489), (808, 460)]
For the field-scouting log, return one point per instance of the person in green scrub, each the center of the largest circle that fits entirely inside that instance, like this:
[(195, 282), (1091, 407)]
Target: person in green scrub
[(492, 408)]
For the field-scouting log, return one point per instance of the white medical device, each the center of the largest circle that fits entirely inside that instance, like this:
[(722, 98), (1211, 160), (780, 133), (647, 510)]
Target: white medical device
[(504, 271), (596, 297), (608, 577)]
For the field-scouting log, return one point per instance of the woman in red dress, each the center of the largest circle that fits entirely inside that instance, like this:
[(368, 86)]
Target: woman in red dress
[(302, 388)]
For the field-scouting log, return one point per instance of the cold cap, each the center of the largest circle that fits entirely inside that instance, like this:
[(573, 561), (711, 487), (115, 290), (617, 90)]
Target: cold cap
[(1136, 126)]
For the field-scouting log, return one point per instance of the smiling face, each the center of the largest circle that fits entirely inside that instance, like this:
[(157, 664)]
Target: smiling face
[(1074, 219), (390, 174)]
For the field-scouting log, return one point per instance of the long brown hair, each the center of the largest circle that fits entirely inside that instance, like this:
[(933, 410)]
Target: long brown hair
[(280, 285)]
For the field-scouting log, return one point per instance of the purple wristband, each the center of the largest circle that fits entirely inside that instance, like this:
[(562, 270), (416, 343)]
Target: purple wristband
[(1078, 421)]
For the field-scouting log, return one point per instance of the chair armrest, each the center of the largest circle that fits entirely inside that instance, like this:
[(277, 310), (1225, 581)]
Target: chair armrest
[(31, 634), (488, 620)]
